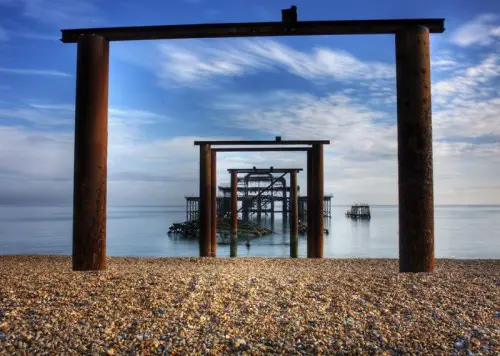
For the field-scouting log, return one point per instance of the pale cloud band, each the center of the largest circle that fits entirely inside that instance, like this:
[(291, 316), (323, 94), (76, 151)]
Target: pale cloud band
[(482, 30), (43, 72), (198, 64)]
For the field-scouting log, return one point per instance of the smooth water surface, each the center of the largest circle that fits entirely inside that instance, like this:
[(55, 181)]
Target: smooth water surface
[(460, 232)]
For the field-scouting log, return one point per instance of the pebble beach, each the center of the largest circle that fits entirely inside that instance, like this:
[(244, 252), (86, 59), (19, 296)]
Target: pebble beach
[(189, 306)]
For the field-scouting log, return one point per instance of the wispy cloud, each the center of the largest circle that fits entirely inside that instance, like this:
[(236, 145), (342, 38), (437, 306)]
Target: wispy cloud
[(37, 36), (65, 107), (51, 115), (39, 118), (468, 83), (445, 63), (482, 30), (8, 34), (58, 12), (44, 72), (197, 64)]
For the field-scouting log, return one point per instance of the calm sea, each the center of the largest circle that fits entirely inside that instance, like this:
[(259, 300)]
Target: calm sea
[(461, 232)]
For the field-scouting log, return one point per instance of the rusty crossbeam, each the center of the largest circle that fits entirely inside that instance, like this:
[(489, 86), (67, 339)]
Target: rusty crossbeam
[(261, 149), (262, 142), (254, 29), (265, 170)]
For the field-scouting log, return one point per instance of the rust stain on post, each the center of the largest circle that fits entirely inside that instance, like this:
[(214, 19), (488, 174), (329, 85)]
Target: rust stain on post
[(234, 202), (294, 216), (213, 242), (91, 149), (318, 197), (416, 197), (205, 200)]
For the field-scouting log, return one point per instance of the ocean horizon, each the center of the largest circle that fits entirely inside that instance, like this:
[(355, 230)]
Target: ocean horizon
[(461, 231)]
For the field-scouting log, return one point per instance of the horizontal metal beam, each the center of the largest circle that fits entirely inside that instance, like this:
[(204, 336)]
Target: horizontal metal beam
[(254, 29), (260, 149), (253, 189), (219, 197), (262, 142), (265, 170)]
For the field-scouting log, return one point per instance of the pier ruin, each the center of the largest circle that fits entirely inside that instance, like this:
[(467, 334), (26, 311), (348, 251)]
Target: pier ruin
[(415, 165), (208, 189), (260, 192)]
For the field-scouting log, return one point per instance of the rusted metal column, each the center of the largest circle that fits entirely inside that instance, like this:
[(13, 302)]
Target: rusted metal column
[(205, 206), (234, 214), (317, 186), (213, 167), (91, 152), (285, 203), (234, 202), (416, 196), (310, 203), (294, 216), (233, 245)]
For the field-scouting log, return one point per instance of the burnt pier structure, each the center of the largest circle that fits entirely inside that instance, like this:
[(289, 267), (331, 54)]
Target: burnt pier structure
[(261, 191), (415, 164)]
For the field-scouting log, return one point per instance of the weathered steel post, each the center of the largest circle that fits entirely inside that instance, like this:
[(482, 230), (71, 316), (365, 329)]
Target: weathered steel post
[(294, 216), (205, 200), (310, 204), (234, 202), (233, 246), (285, 203), (415, 172), (91, 152), (234, 214), (318, 197), (213, 242)]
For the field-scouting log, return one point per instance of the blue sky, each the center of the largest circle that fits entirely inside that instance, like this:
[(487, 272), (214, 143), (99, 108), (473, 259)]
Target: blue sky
[(166, 94)]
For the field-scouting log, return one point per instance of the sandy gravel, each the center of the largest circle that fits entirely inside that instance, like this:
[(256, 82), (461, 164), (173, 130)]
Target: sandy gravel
[(247, 305)]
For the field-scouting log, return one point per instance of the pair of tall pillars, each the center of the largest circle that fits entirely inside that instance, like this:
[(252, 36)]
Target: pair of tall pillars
[(415, 173), (208, 202)]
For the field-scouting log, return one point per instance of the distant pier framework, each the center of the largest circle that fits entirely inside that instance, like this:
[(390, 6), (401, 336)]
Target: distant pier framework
[(260, 192)]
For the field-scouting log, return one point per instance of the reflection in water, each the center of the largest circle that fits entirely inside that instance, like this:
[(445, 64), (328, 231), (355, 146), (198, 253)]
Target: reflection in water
[(360, 228)]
